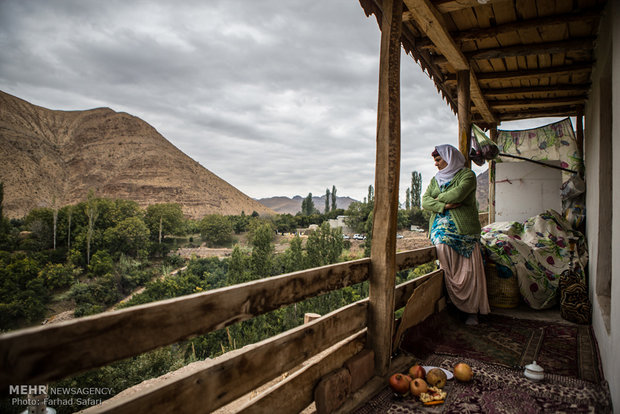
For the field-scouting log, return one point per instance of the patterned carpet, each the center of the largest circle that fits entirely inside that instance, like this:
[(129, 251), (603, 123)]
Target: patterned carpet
[(561, 349), (499, 389)]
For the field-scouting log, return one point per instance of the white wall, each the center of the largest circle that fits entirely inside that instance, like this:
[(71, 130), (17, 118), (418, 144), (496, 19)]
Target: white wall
[(608, 48), (525, 189)]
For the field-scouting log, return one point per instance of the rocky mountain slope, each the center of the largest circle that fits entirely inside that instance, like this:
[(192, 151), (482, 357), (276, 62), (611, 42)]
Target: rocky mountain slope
[(50, 156), (482, 190), (284, 205)]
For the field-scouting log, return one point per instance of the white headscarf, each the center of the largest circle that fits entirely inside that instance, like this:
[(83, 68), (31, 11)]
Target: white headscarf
[(455, 160)]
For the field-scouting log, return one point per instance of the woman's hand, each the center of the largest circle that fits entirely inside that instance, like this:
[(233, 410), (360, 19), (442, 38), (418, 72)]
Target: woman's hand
[(452, 205)]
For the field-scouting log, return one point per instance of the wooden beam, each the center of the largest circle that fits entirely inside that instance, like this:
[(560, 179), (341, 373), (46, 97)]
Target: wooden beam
[(533, 90), (464, 114), (41, 354), (579, 15), (538, 103), (239, 372), (449, 6), (571, 110), (413, 258), (431, 22), (525, 50), (480, 103), (404, 290), (298, 388), (493, 137), (546, 48), (383, 251), (579, 137), (528, 74)]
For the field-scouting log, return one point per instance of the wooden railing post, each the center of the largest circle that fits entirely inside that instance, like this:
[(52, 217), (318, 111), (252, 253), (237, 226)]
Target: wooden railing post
[(464, 108), (387, 171), (493, 135)]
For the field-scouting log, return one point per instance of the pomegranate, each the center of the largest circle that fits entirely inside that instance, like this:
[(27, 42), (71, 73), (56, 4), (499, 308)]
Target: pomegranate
[(400, 383), (417, 371), (436, 377), (418, 386), (463, 372)]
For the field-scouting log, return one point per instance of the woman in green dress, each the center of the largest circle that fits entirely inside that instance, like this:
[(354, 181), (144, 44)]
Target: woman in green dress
[(455, 231)]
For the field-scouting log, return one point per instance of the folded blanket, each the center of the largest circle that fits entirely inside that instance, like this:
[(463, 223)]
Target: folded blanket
[(537, 252)]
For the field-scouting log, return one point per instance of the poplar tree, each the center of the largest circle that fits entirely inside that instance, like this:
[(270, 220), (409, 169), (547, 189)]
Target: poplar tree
[(92, 212), (416, 189), (327, 198), (407, 199), (334, 199)]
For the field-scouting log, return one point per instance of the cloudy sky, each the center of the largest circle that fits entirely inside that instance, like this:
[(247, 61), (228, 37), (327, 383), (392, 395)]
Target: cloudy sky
[(277, 97)]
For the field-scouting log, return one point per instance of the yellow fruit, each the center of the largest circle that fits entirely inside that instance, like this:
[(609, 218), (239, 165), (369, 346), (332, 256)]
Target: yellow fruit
[(436, 377), (463, 372)]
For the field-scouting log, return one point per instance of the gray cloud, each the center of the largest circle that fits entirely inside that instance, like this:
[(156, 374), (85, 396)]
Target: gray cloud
[(277, 98)]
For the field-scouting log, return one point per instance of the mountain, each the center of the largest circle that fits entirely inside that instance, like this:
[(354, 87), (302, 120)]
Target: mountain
[(482, 190), (292, 206), (51, 156)]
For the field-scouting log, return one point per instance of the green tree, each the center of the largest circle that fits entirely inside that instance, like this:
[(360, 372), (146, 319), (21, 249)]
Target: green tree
[(327, 200), (407, 199), (371, 194), (334, 198), (324, 246), (216, 230), (101, 263), (40, 222), (262, 250), (129, 236), (285, 223), (416, 189), (163, 219), (238, 267), (91, 210), (294, 256), (57, 275), (307, 205)]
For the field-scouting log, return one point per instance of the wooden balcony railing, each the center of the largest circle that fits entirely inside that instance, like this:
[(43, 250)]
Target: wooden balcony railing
[(42, 354)]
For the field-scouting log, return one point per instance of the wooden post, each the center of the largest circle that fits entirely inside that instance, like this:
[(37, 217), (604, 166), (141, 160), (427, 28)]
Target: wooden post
[(493, 136), (464, 108), (387, 172), (580, 134)]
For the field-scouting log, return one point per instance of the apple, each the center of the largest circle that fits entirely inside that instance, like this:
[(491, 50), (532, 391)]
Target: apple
[(400, 383), (418, 386), (463, 372), (417, 371)]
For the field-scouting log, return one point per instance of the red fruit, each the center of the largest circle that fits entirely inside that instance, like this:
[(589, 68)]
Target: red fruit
[(400, 383), (418, 386), (417, 371)]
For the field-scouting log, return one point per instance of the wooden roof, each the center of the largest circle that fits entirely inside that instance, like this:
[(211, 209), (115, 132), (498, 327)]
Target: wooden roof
[(528, 58)]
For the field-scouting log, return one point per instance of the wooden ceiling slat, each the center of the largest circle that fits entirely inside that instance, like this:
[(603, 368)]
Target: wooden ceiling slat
[(586, 44), (533, 90), (538, 103), (526, 58), (449, 6), (431, 22), (536, 73), (537, 113), (548, 23)]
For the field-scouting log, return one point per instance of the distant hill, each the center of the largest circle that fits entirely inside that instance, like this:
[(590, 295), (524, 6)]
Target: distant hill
[(482, 190), (49, 155), (292, 206)]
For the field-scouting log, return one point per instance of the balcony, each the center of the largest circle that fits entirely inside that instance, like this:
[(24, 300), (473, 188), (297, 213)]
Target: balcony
[(287, 367)]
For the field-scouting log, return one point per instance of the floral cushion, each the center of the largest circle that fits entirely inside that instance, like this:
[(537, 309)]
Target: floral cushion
[(537, 252)]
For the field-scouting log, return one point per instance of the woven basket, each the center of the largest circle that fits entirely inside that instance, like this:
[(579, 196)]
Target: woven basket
[(503, 292)]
